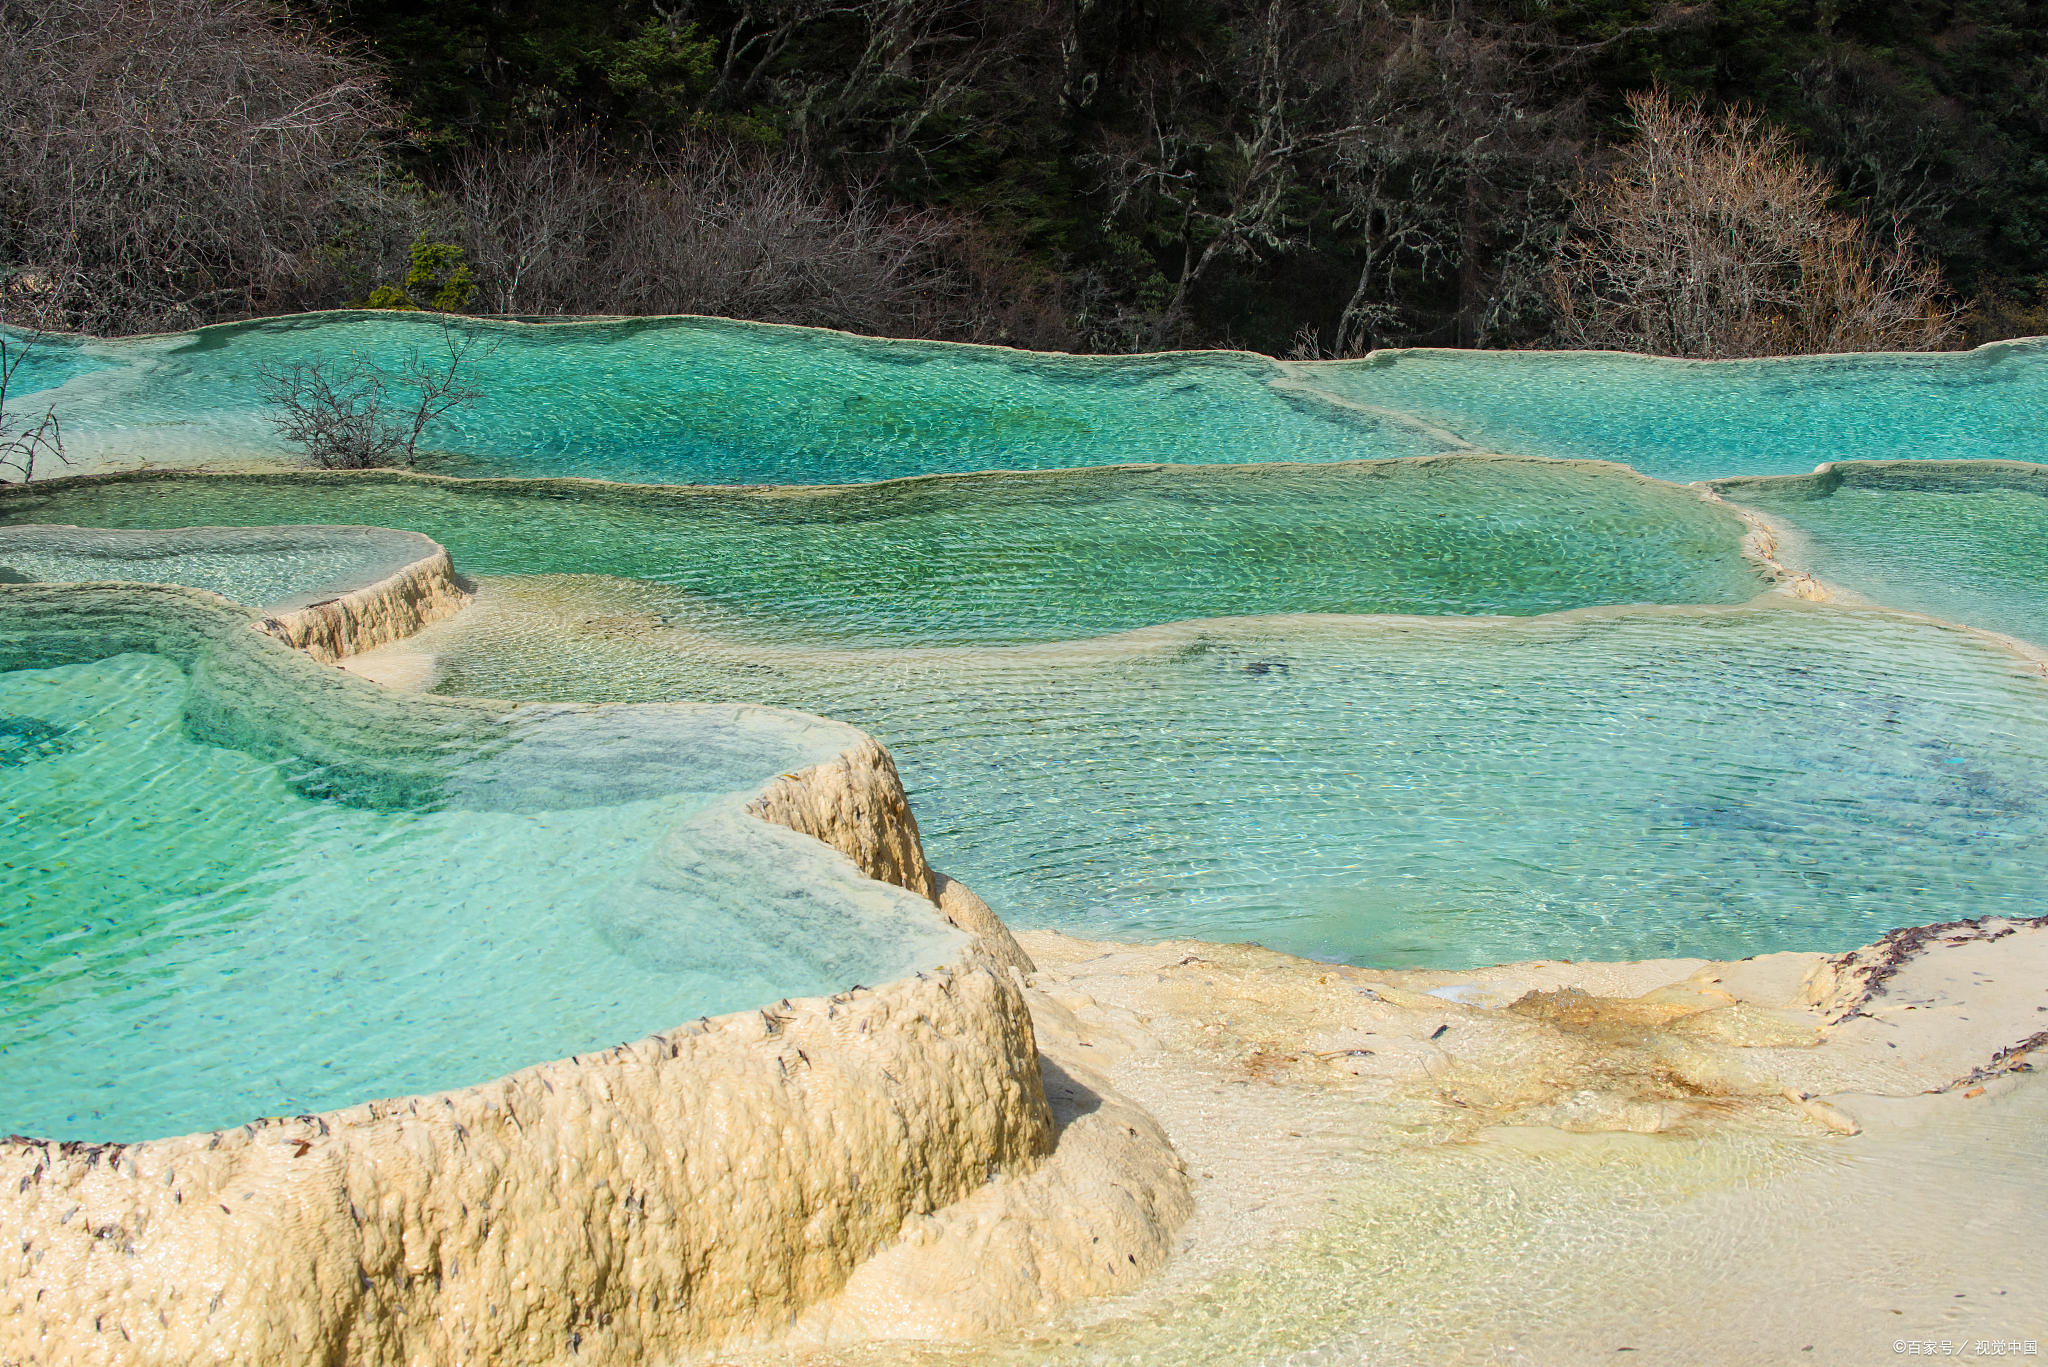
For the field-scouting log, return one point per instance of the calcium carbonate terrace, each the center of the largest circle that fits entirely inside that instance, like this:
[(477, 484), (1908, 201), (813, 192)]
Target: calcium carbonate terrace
[(1427, 661)]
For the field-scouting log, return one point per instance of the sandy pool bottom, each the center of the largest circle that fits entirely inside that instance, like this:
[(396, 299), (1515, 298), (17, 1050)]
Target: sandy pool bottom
[(1340, 1221)]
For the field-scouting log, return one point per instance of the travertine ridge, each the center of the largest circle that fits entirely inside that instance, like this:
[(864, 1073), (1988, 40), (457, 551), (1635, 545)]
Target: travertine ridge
[(712, 1184), (378, 614)]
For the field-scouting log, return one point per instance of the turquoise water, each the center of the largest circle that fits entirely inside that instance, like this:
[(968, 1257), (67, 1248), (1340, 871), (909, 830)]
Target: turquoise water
[(1639, 784), (1033, 558), (218, 927), (1966, 546), (1687, 420), (49, 361), (195, 941), (273, 568), (708, 401), (704, 401)]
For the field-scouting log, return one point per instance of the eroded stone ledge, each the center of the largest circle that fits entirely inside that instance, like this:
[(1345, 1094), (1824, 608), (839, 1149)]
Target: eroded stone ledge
[(334, 591), (393, 608), (715, 1183), (712, 1182)]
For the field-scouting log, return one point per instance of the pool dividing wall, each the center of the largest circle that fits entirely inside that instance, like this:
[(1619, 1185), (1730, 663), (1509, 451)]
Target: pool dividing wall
[(330, 591), (706, 1183), (1962, 540)]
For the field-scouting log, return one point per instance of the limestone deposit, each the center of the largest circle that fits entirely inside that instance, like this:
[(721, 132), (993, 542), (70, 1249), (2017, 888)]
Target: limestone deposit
[(839, 1164), (1659, 1046), (1697, 1161), (358, 588)]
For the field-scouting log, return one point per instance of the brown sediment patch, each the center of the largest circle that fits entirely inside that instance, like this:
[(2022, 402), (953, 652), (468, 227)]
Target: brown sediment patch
[(1668, 1046), (1843, 984), (1386, 1173)]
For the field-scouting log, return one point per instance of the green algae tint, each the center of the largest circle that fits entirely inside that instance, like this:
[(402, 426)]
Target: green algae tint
[(708, 401), (1030, 557), (1631, 785), (193, 941), (1962, 543), (274, 568), (1687, 420)]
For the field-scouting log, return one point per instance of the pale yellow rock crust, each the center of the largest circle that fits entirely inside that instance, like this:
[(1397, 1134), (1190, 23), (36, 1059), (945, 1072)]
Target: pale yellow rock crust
[(855, 803), (710, 1183), (718, 1183), (393, 608), (1664, 1046)]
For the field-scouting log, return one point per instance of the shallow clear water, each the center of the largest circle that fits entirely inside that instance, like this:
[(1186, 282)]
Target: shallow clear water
[(705, 401), (1033, 558), (194, 942), (1633, 785), (1687, 420), (1540, 1247), (47, 362), (1968, 554), (688, 400), (271, 568)]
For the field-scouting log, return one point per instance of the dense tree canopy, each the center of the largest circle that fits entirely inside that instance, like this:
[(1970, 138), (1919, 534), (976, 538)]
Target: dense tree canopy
[(1317, 175)]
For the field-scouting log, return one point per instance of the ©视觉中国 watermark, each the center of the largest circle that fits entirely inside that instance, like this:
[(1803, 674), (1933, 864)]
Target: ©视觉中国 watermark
[(1977, 1348)]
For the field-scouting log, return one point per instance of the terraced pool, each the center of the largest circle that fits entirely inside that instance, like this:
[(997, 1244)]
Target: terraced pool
[(1013, 558), (1615, 785), (1963, 540), (1310, 673), (705, 401), (275, 568), (237, 883)]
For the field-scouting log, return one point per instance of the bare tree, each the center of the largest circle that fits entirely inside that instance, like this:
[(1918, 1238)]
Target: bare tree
[(166, 162), (356, 415), (1714, 238), (903, 81), (1215, 183), (561, 227), (22, 440), (1441, 134)]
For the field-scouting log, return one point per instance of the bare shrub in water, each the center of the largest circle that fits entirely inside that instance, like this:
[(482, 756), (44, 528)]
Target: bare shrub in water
[(355, 415), (167, 162), (1714, 238), (24, 439)]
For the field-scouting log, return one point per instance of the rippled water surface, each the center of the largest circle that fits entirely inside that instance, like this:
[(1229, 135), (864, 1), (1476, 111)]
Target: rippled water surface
[(1687, 420), (193, 942), (269, 568), (1443, 794), (1962, 550), (704, 401), (1034, 558), (708, 401)]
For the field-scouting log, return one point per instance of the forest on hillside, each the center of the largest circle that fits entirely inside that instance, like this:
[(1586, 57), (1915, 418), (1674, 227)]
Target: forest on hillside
[(1305, 177)]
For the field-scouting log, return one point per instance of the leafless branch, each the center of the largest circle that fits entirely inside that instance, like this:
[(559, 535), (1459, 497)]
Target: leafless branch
[(154, 153), (356, 415), (1714, 238), (23, 440)]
